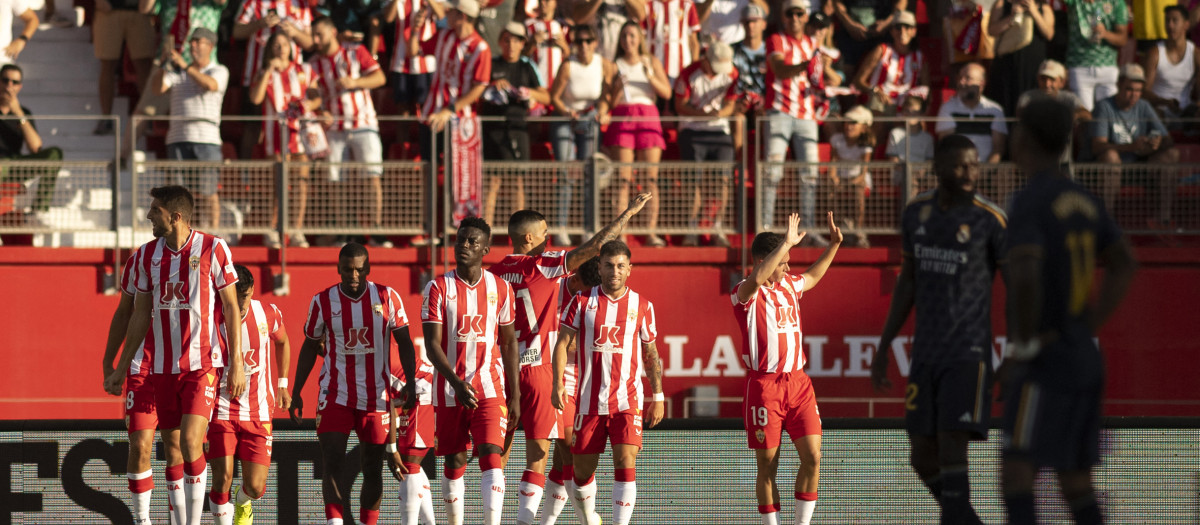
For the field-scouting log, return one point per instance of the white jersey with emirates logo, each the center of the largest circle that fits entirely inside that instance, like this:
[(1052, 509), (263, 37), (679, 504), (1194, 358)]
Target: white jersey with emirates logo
[(357, 333), (259, 323), (611, 335), (187, 324), (142, 362), (471, 316), (771, 328), (534, 280)]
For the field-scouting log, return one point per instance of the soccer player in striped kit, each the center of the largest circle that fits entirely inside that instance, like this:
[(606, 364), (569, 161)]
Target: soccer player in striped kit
[(615, 330), (779, 395), (356, 320), (411, 433), (241, 426), (468, 317)]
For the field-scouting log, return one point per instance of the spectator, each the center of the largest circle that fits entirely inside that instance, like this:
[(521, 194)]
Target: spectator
[(790, 104), (862, 24), (1149, 23), (912, 145), (1126, 130), (411, 76), (345, 77), (514, 88), (358, 22), (257, 20), (548, 40), (576, 94), (18, 131), (455, 89), (724, 20), (1052, 77), (197, 89), (609, 16), (750, 54), (118, 23), (636, 134), (1171, 68), (672, 31), (964, 32), (1097, 29), (176, 21), (706, 94), (974, 115), (823, 73), (891, 70), (286, 87), (855, 143), (12, 46), (1022, 29)]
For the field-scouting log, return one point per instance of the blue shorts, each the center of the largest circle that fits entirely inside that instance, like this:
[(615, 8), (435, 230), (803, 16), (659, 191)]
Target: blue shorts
[(1052, 426), (201, 180), (948, 397), (410, 88)]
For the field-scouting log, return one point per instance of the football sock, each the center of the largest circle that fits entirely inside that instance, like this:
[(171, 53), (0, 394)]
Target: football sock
[(194, 481), (956, 494), (453, 490), (427, 517), (410, 494), (175, 498), (140, 485), (1020, 509), (584, 495), (806, 503), (368, 516), (243, 498), (529, 496), (222, 509), (624, 494), (769, 513), (1086, 510), (556, 492), (333, 511), (491, 487)]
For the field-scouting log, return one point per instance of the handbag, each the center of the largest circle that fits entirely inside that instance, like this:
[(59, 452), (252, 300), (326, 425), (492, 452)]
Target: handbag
[(1016, 37)]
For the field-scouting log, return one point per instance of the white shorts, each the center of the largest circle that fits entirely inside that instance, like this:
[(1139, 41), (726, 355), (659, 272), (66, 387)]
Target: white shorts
[(364, 145)]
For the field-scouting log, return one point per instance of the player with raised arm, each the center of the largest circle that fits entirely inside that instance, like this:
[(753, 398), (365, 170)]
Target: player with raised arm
[(356, 320), (140, 417), (616, 330), (534, 275), (779, 395), (953, 244), (241, 426), (468, 317), (1053, 372), (412, 433), (184, 310)]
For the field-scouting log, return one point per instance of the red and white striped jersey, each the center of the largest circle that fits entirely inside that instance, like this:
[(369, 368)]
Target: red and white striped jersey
[(295, 12), (668, 25), (461, 64), (142, 360), (351, 108), (286, 91), (534, 280), (771, 327), (357, 333), (187, 324), (611, 333), (897, 73), (706, 92), (259, 323), (422, 62), (471, 316), (570, 377), (548, 55), (424, 378), (791, 95)]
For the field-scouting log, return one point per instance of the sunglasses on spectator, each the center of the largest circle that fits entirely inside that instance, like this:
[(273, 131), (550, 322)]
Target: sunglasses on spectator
[(13, 81), (796, 13), (586, 40)]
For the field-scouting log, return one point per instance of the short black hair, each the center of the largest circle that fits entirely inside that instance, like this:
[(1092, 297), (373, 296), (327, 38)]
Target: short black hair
[(765, 243), (522, 220), (589, 272), (950, 144), (12, 67), (582, 29), (614, 248), (322, 20), (1049, 123), (478, 224), (352, 250), (1175, 7), (175, 199), (245, 279)]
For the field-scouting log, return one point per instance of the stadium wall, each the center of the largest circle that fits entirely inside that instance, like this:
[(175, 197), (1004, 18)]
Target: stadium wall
[(55, 317)]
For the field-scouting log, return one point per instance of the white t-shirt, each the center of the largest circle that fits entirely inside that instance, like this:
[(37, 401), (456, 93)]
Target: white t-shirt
[(916, 147), (189, 99), (976, 123), (725, 21), (850, 153), (9, 11)]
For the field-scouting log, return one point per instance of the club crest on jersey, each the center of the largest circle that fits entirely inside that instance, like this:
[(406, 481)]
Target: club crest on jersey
[(470, 328), (262, 329), (964, 233), (632, 316), (194, 263)]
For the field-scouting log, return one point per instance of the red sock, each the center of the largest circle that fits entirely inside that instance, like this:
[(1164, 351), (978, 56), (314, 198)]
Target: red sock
[(584, 482), (625, 475), (175, 473), (766, 509), (219, 498), (195, 468), (368, 517), (333, 510), (412, 468), (454, 473), (138, 486), (806, 496), (489, 462), (533, 477)]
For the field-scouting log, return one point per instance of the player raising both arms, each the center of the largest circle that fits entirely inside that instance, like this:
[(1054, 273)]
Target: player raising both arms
[(616, 330), (181, 278), (468, 321), (357, 320), (953, 245), (241, 426), (779, 395), (410, 437), (1057, 234), (534, 275)]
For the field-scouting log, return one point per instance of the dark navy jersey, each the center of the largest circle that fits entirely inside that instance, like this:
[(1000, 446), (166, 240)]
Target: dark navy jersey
[(955, 254), (1069, 228)]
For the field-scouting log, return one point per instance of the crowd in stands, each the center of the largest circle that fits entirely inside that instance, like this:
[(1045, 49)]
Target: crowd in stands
[(854, 74)]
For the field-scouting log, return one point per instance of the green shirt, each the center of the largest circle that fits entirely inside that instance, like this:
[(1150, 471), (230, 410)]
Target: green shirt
[(204, 13), (1081, 17)]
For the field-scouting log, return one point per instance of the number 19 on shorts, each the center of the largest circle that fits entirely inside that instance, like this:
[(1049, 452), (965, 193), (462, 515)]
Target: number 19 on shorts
[(758, 416)]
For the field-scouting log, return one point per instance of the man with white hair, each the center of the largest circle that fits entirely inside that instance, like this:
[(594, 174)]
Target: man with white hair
[(706, 90)]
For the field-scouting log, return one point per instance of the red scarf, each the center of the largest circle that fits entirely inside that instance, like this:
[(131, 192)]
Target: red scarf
[(181, 26), (967, 41)]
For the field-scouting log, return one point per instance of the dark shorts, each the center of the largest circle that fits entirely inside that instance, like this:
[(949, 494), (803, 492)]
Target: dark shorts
[(705, 146), (1052, 427), (505, 144), (947, 397), (1145, 45), (409, 88)]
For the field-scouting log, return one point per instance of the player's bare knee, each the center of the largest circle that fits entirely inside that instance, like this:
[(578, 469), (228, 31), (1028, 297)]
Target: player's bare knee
[(456, 461), (255, 488)]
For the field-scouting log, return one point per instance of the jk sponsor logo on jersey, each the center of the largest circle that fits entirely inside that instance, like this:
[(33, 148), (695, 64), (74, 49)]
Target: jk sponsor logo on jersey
[(173, 295), (608, 338), (785, 317), (358, 341), (470, 328)]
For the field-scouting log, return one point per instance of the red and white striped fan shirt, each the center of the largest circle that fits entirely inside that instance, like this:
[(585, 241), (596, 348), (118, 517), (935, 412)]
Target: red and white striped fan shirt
[(461, 64), (357, 333), (897, 73), (706, 93), (548, 55), (294, 11), (422, 62), (286, 91), (142, 360), (668, 25), (771, 327), (611, 333), (187, 324), (534, 279), (351, 108), (471, 316), (259, 323), (791, 95)]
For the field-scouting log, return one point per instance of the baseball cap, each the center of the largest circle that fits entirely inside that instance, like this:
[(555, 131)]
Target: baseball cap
[(819, 20), (467, 7), (754, 12), (1133, 72), (905, 18), (1052, 69), (796, 4), (515, 29), (860, 114), (720, 57), (205, 33)]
